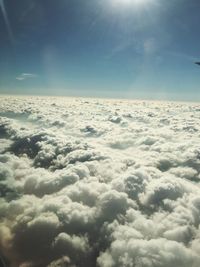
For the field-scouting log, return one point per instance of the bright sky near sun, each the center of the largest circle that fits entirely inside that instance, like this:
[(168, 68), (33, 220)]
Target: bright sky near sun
[(131, 2), (116, 48)]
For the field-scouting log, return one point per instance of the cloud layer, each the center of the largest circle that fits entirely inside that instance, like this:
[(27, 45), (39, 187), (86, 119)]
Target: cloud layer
[(93, 182)]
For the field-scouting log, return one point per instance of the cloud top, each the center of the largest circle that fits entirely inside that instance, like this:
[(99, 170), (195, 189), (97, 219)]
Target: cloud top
[(107, 183)]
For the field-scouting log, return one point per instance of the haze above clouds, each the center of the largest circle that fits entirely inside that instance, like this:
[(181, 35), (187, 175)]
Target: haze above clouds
[(94, 182)]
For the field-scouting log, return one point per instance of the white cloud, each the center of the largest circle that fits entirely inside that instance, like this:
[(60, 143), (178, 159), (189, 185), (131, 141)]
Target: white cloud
[(148, 253), (93, 182), (25, 76)]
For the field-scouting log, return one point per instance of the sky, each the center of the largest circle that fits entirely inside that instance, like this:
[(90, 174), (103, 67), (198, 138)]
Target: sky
[(101, 48)]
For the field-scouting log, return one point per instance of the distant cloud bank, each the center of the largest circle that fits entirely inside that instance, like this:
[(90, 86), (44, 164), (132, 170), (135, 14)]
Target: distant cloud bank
[(91, 182)]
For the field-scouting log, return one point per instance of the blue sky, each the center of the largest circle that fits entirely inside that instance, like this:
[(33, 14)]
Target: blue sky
[(116, 48)]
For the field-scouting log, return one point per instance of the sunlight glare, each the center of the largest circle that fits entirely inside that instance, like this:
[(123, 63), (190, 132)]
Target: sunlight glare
[(131, 2)]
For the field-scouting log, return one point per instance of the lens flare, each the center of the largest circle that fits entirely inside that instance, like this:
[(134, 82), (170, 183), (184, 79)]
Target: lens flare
[(7, 22)]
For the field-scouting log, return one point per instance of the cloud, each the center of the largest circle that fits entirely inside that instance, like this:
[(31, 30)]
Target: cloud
[(25, 76), (94, 182), (155, 252)]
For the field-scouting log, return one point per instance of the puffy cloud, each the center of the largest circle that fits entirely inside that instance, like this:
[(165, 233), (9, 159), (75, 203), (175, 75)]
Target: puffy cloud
[(77, 248), (148, 253), (95, 182), (62, 262), (112, 204)]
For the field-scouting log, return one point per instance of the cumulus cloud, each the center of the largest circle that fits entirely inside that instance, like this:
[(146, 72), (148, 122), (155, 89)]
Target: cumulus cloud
[(154, 252), (93, 182)]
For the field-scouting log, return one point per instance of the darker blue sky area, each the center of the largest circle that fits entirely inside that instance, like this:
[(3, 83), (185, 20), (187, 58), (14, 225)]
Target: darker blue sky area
[(101, 48)]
